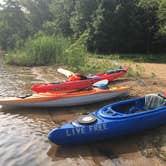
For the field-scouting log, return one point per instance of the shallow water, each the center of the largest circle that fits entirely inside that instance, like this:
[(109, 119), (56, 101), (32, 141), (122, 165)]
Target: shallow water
[(23, 132)]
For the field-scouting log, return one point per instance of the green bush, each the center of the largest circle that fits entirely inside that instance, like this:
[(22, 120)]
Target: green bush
[(76, 54), (46, 50), (43, 50)]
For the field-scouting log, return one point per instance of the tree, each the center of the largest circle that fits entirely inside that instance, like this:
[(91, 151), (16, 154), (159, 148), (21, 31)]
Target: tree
[(12, 24), (149, 21), (61, 11), (82, 15), (114, 27), (37, 13), (160, 37), (162, 17), (127, 26)]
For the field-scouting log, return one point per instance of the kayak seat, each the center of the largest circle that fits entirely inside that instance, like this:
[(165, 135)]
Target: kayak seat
[(153, 101), (114, 71), (135, 109)]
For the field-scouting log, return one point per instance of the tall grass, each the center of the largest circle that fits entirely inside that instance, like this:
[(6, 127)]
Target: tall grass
[(44, 50)]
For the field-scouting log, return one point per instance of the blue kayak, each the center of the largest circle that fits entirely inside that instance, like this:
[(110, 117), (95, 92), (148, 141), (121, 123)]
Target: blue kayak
[(114, 120)]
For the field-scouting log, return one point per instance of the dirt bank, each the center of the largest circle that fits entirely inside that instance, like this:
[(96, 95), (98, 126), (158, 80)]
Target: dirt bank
[(147, 148), (154, 70), (24, 131)]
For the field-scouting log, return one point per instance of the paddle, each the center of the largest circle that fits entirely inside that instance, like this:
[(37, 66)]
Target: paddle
[(65, 72)]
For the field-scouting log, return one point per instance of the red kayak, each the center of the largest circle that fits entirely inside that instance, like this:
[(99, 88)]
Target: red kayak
[(78, 81)]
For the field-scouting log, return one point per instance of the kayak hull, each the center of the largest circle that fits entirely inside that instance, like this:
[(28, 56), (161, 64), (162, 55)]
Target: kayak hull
[(70, 99), (107, 126)]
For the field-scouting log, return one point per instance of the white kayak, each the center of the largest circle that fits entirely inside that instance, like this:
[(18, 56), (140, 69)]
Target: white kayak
[(65, 99)]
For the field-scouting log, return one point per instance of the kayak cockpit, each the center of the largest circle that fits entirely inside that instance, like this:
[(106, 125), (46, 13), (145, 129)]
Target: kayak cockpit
[(148, 103), (123, 109), (129, 106)]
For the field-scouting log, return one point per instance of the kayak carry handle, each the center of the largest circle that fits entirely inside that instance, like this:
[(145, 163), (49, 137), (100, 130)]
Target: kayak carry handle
[(24, 96), (111, 112)]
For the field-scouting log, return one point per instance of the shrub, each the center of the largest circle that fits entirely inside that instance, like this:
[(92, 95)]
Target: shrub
[(43, 50)]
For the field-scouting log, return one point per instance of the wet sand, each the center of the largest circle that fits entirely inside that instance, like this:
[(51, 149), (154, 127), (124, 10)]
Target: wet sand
[(23, 131)]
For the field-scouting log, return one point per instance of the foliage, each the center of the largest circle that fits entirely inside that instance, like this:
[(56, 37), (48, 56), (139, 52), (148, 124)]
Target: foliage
[(61, 11), (162, 17), (43, 50), (46, 50), (82, 15), (13, 25), (161, 34), (112, 26), (110, 62), (37, 13), (127, 26), (76, 53), (146, 58)]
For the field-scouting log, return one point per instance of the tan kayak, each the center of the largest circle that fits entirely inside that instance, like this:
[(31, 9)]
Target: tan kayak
[(65, 99)]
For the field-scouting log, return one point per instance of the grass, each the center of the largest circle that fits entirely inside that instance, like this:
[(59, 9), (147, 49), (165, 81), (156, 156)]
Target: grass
[(43, 50), (56, 50), (48, 50), (146, 58), (97, 64)]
